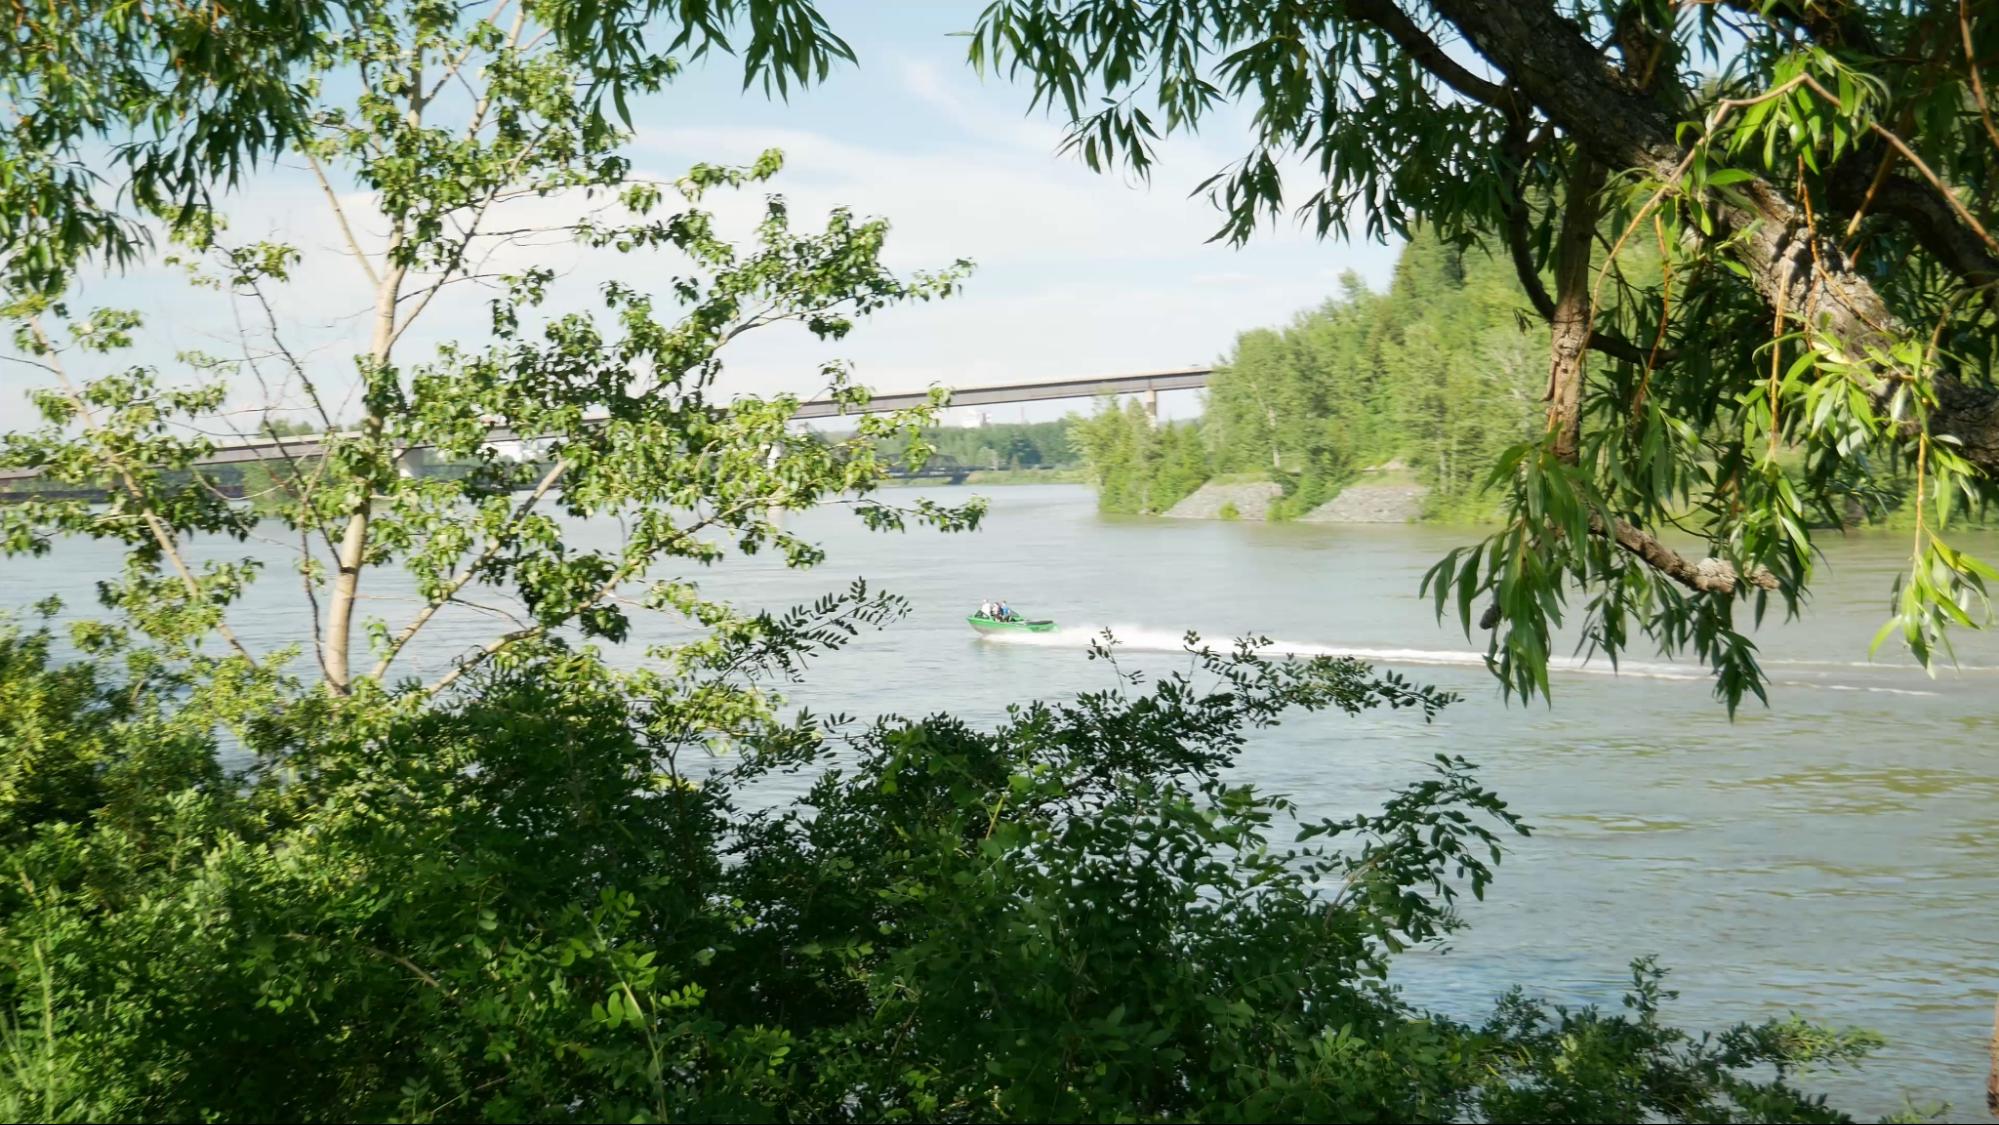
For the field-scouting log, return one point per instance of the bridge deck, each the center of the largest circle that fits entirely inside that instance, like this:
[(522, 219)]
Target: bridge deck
[(1179, 379)]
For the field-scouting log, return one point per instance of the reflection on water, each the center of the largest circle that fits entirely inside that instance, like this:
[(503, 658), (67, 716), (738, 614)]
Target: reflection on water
[(1830, 855)]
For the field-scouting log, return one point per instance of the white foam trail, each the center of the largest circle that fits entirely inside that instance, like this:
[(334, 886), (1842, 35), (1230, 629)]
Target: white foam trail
[(1137, 638)]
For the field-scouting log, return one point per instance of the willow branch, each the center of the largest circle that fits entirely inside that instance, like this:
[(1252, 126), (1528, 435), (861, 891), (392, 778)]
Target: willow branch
[(1393, 22), (1706, 576), (1984, 115), (1616, 347)]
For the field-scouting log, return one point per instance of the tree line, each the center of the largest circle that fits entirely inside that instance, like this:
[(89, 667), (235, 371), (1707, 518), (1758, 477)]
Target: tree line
[(996, 446), (1439, 375), (1440, 372)]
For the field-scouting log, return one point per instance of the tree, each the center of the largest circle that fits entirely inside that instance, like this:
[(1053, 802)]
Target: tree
[(619, 405), (1141, 468), (1428, 373), (188, 98), (541, 900), (1815, 180)]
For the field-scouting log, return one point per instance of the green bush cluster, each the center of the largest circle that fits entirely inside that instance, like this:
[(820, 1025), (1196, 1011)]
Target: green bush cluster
[(1140, 466), (527, 902)]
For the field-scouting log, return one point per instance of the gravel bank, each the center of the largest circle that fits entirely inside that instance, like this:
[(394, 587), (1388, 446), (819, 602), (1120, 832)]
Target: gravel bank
[(1371, 503), (1252, 501)]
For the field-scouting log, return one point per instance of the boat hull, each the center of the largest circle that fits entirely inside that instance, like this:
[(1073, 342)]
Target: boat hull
[(988, 625)]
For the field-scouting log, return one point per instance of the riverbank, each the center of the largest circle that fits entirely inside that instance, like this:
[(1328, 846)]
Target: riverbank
[(1394, 496)]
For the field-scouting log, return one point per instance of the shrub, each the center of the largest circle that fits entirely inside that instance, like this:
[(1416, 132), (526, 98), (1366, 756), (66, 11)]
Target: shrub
[(526, 902)]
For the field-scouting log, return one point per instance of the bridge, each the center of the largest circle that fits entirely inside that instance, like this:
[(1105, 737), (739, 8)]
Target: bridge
[(1149, 384)]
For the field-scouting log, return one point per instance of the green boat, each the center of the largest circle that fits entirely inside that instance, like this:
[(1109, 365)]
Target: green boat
[(1014, 624)]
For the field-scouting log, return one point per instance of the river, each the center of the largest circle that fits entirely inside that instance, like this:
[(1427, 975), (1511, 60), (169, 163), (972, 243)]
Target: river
[(1831, 854)]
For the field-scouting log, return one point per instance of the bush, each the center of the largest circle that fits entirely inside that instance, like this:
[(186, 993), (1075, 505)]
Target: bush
[(522, 903)]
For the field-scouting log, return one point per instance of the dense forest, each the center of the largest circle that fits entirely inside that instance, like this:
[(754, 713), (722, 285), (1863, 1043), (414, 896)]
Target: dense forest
[(1440, 372), (1139, 467)]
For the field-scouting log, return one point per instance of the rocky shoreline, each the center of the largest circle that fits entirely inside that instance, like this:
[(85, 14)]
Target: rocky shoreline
[(1228, 501), (1372, 503), (1359, 503)]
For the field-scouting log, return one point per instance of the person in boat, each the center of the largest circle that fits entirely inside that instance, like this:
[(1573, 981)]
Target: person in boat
[(1005, 612)]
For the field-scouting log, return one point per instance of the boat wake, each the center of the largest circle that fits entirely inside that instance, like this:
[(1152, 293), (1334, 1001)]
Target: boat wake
[(1137, 638)]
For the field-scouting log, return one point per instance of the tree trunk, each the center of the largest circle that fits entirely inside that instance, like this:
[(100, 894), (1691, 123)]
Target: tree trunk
[(353, 549), (1571, 322)]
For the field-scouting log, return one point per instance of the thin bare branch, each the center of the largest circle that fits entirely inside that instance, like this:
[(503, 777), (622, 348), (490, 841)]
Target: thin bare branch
[(1984, 115), (340, 216)]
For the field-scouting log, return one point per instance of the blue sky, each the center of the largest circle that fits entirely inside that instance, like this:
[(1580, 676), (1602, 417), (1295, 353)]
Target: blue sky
[(1077, 273)]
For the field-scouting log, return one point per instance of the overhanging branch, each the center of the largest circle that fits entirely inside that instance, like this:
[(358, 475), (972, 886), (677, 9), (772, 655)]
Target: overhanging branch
[(1761, 225), (1705, 576), (1702, 576), (1384, 16)]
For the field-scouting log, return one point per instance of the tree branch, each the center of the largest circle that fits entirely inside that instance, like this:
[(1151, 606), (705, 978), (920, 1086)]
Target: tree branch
[(1932, 224), (1572, 313), (1393, 22), (1705, 576), (1522, 254), (1834, 26), (1992, 131), (624, 572), (340, 216), (1560, 71), (162, 535)]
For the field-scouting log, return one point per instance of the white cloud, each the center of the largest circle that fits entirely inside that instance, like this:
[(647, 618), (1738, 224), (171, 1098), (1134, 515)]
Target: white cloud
[(1078, 273)]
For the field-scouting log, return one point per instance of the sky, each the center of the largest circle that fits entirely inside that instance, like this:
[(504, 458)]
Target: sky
[(1077, 273)]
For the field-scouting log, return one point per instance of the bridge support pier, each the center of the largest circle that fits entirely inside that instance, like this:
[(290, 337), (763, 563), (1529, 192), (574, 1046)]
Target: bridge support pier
[(1152, 404)]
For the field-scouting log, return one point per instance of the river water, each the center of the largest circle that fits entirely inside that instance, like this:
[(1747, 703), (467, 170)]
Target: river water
[(1830, 855)]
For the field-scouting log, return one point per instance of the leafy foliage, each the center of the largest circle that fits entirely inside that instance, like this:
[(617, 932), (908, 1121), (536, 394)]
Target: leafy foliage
[(616, 400), (189, 99), (1436, 373), (552, 885), (1141, 467), (544, 899), (995, 445), (1795, 302)]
